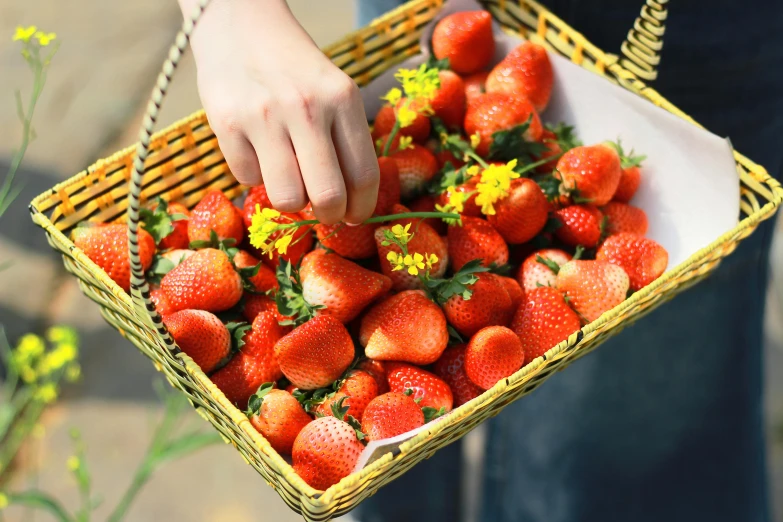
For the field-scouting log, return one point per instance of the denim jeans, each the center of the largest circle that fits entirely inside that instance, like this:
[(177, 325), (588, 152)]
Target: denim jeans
[(664, 421)]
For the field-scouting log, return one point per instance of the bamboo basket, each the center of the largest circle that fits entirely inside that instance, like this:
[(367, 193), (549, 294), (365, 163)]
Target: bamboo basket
[(183, 162)]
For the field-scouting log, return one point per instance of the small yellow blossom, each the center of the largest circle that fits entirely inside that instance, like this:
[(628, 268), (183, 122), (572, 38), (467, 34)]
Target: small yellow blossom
[(56, 359), (282, 243), (475, 139), (45, 39), (73, 372), (46, 393), (405, 142), (393, 96), (3, 501), (30, 347), (262, 226), (62, 334), (24, 34), (473, 170), (402, 234), (396, 261), (73, 463), (27, 374), (414, 263), (431, 260), (419, 84), (457, 199), (494, 185), (406, 116)]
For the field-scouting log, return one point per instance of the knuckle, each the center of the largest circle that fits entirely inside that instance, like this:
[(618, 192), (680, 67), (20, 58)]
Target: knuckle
[(226, 122), (344, 90), (329, 198), (288, 201), (366, 178), (299, 101)]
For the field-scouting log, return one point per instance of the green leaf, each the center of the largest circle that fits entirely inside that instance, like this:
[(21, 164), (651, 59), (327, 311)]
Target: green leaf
[(442, 289), (40, 500), (501, 270), (554, 267), (237, 331), (257, 399), (215, 242), (186, 445), (454, 336), (550, 186), (289, 299), (431, 414), (580, 250), (339, 410), (434, 63), (157, 222), (511, 144), (566, 137), (626, 160)]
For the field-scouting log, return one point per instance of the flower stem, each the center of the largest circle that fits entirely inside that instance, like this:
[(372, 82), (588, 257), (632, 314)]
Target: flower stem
[(390, 139), (381, 219)]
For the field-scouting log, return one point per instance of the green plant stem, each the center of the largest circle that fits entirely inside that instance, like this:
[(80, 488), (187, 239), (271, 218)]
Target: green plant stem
[(40, 500), (382, 219), (390, 139), (16, 403), (21, 429)]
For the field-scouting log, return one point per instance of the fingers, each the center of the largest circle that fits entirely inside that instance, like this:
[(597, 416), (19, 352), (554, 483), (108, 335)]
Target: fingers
[(240, 156), (356, 156)]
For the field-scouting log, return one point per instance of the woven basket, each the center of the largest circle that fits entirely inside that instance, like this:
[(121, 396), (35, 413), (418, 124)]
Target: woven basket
[(183, 162)]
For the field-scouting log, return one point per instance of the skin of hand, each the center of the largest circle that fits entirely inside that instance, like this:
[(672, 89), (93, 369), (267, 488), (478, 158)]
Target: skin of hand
[(282, 112)]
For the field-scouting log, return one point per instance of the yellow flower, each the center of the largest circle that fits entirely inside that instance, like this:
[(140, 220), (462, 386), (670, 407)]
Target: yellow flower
[(57, 358), (27, 374), (431, 260), (30, 347), (419, 84), (282, 243), (393, 96), (45, 38), (62, 334), (262, 226), (73, 372), (401, 233), (414, 263), (73, 462), (46, 393), (475, 139), (457, 199), (396, 261), (473, 170), (3, 501), (24, 33), (405, 142), (406, 116), (494, 185)]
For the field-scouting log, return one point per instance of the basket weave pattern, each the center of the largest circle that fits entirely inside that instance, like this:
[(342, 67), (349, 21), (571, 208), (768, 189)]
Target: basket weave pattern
[(185, 162)]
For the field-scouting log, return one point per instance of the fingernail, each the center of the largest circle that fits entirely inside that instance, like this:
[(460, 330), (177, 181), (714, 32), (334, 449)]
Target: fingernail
[(353, 224)]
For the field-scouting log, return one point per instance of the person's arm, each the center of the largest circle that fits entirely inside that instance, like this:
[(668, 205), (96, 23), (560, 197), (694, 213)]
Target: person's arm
[(282, 112)]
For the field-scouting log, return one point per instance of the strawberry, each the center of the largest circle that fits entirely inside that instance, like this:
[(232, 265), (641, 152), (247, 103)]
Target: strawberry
[(631, 175), (178, 238), (469, 206), (592, 287), (389, 186), (489, 305), (513, 289), (353, 242), (315, 353), (391, 414), (107, 246), (466, 39), (278, 416), (204, 281), (326, 451), (553, 150), (255, 196), (493, 112), (378, 371), (427, 204), (432, 391), (594, 171), (449, 103), (451, 368), (215, 212), (475, 85), (541, 268), (257, 303), (579, 225), (525, 72), (641, 258), (161, 303), (168, 224), (476, 239), (447, 157), (343, 287), (543, 321), (264, 280), (201, 335), (406, 327), (416, 166), (521, 215), (255, 362), (301, 243), (493, 353), (384, 122), (178, 255), (358, 388), (622, 217)]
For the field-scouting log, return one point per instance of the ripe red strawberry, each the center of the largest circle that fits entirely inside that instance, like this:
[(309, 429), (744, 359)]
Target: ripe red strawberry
[(424, 241), (255, 362), (204, 281), (630, 179), (264, 280), (427, 204), (449, 101), (469, 206), (593, 287), (326, 451), (593, 170), (475, 85), (579, 225), (201, 335), (389, 186), (493, 112), (431, 389), (416, 166), (525, 72), (641, 258), (514, 290), (255, 196), (406, 327), (353, 242), (451, 368), (378, 371), (543, 321), (301, 243), (553, 150), (489, 305), (493, 353), (391, 414), (278, 416), (534, 272), (342, 286), (444, 156), (384, 122), (177, 238), (215, 212), (107, 247), (521, 215), (622, 217), (357, 390), (315, 353), (466, 39), (161, 303), (476, 239), (257, 303)]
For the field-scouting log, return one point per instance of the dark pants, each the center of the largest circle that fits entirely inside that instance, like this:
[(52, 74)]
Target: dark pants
[(664, 421)]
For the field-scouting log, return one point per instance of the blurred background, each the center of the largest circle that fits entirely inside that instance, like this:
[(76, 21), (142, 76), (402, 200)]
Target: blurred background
[(97, 88)]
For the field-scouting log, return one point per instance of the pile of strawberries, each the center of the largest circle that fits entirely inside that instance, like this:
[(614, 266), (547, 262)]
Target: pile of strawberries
[(495, 238)]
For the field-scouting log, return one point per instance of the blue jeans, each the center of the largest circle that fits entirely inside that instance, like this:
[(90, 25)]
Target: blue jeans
[(664, 421)]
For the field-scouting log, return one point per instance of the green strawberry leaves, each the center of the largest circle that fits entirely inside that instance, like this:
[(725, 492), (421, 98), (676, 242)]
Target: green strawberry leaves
[(311, 399), (440, 65), (626, 160), (454, 336), (566, 137), (289, 298), (554, 267), (431, 413), (237, 330), (340, 412), (159, 268), (441, 290), (158, 222), (226, 245), (511, 144), (257, 399)]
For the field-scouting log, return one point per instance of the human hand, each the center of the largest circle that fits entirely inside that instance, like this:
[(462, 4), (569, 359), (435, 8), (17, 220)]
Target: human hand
[(282, 112)]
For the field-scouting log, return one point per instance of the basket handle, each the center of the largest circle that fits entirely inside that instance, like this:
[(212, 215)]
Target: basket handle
[(140, 290), (642, 47)]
